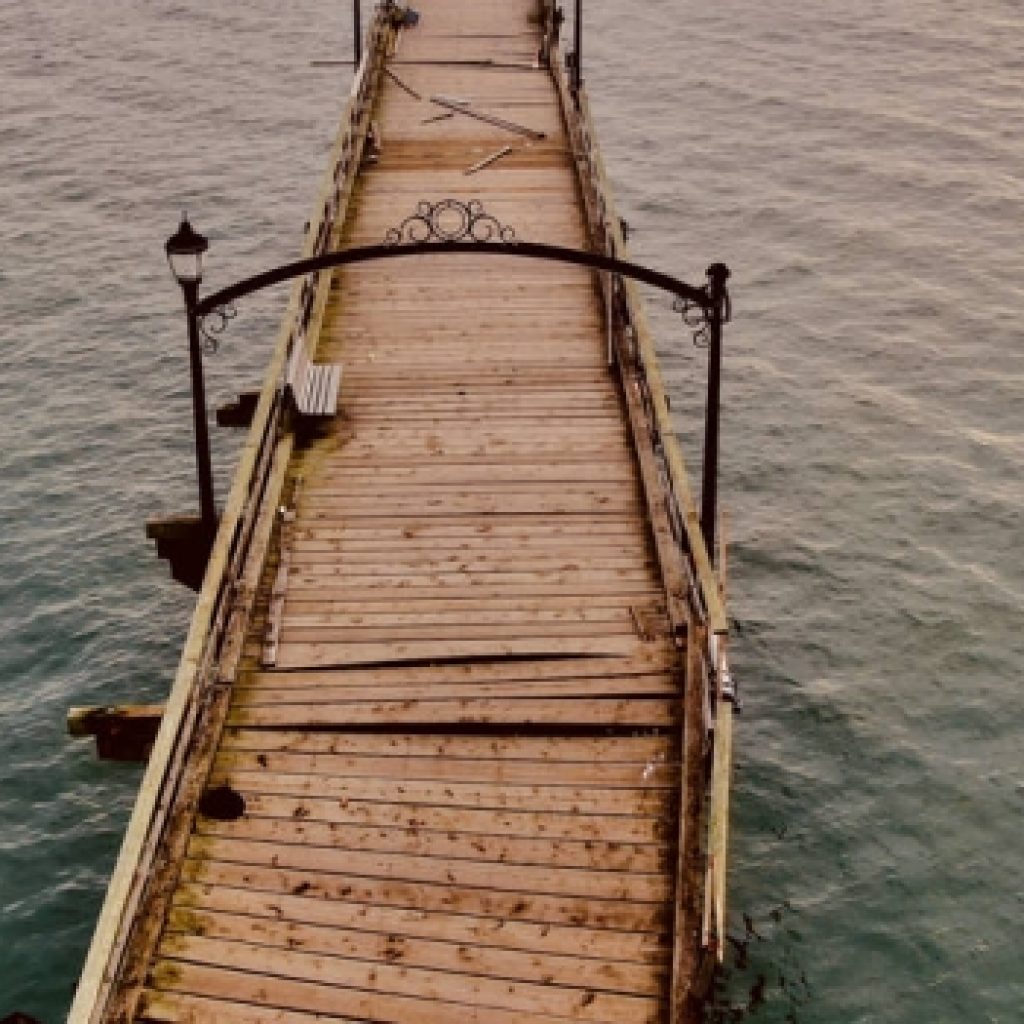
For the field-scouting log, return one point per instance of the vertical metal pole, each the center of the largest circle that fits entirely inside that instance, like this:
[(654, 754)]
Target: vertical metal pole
[(577, 60), (207, 508), (357, 33), (718, 274)]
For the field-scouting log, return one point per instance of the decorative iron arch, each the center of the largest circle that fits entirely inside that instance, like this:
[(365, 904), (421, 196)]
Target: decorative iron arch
[(451, 226)]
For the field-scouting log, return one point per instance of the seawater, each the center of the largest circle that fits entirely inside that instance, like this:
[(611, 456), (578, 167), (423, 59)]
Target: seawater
[(856, 163)]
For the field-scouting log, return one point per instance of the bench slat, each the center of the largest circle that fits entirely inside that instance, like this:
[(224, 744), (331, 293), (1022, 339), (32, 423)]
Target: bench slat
[(313, 386)]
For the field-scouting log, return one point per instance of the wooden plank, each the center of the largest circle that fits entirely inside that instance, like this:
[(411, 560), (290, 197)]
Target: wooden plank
[(566, 799), (245, 986), (526, 878), (371, 547), (600, 944), (328, 634), (653, 774), (348, 487), (336, 600), (321, 563), (647, 659), (365, 591), (429, 616), (326, 565), (485, 503), (355, 976), (623, 915), (185, 1008), (611, 711), (398, 948), (608, 686), (550, 825), (622, 749), (465, 528), (309, 655), (446, 843)]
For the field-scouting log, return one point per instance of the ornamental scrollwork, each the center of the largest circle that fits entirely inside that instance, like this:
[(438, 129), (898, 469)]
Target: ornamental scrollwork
[(697, 316), (214, 324), (450, 220)]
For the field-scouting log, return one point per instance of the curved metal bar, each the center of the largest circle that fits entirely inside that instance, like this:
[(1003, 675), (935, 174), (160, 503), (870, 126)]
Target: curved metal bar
[(528, 250)]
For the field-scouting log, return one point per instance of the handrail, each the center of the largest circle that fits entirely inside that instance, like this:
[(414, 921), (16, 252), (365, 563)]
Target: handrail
[(249, 495), (629, 327)]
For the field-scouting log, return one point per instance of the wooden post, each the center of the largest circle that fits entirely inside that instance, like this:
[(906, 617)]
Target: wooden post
[(686, 951), (124, 732)]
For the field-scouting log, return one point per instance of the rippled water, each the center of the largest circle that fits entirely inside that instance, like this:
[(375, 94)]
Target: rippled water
[(856, 163)]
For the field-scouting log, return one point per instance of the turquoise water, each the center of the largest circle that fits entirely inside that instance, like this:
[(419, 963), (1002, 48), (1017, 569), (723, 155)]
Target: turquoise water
[(857, 164)]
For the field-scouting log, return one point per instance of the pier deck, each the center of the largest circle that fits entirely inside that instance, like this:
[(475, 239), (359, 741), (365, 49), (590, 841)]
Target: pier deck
[(452, 698)]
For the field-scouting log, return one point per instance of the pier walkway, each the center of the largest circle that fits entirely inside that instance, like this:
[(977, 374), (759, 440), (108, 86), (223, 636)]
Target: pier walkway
[(434, 768)]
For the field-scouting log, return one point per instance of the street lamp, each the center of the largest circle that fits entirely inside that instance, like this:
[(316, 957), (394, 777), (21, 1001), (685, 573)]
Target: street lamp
[(185, 249), (718, 313)]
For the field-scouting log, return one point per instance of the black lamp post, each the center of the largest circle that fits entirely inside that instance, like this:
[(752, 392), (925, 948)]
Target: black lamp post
[(717, 314), (577, 60), (357, 34), (185, 249)]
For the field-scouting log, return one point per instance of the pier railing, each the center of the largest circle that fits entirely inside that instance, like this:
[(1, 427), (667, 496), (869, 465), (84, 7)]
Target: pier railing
[(213, 645), (710, 691)]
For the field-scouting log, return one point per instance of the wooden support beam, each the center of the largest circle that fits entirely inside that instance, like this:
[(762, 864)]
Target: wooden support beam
[(185, 543), (240, 412), (124, 732)]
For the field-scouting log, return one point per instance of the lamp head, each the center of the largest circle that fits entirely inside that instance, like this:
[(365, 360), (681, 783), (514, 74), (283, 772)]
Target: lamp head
[(185, 249)]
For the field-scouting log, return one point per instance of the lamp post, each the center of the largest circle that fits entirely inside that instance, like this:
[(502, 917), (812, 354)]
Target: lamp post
[(357, 35), (185, 249), (718, 306), (577, 61)]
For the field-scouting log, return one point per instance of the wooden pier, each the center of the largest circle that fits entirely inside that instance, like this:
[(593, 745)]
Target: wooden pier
[(450, 736)]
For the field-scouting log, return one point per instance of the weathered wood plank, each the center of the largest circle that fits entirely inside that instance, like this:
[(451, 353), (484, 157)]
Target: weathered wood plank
[(446, 844), (344, 974), (623, 915), (610, 686), (268, 990), (634, 827), (568, 799), (467, 616), (528, 878), (404, 950), (654, 774), (612, 711), (600, 944), (621, 749)]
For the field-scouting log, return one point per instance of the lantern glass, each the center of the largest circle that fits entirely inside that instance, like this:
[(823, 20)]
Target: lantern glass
[(185, 250)]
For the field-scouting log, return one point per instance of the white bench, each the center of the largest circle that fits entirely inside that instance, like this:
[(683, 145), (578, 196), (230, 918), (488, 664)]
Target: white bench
[(313, 386)]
